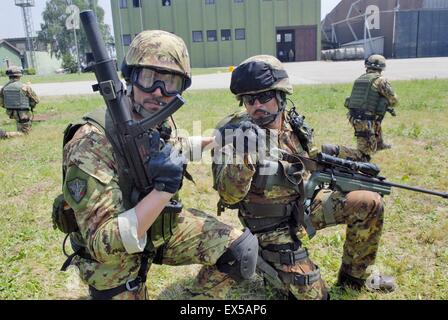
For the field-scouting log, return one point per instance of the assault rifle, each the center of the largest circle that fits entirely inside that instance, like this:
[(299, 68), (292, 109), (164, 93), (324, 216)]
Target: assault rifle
[(137, 139), (346, 176)]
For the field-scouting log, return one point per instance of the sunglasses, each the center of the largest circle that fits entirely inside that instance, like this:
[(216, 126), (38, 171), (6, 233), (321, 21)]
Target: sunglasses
[(249, 99), (149, 80)]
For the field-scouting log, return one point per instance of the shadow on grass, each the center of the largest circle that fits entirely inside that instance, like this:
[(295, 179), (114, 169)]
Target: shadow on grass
[(247, 290)]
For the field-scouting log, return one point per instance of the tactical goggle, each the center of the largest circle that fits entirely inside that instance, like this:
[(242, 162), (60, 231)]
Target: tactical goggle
[(263, 97), (149, 80)]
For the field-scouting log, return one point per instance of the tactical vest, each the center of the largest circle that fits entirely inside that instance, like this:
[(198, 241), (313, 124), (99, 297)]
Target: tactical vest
[(365, 99), (260, 216), (165, 224), (15, 98)]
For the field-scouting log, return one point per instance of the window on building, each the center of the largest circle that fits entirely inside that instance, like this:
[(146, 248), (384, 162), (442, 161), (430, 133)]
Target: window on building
[(226, 35), (126, 39), (123, 4), (238, 1), (209, 1), (279, 38), (288, 37), (211, 35), (166, 3), (136, 3), (240, 34), (197, 36)]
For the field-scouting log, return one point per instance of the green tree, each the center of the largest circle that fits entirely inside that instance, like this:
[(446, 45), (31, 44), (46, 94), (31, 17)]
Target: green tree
[(69, 63), (61, 40)]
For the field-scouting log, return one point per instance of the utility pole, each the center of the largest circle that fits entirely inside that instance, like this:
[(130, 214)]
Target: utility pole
[(29, 29), (72, 23)]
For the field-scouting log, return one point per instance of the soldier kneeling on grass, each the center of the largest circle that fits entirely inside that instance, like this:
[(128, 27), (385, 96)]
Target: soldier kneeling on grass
[(19, 100), (268, 191)]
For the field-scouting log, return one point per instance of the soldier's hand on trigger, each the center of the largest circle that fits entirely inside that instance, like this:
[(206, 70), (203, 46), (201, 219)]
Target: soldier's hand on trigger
[(166, 169)]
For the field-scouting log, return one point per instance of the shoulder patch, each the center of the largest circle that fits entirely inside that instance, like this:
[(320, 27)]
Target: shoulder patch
[(77, 189)]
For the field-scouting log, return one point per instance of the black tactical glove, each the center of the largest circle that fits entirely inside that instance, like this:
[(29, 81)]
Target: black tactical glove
[(166, 169), (246, 138)]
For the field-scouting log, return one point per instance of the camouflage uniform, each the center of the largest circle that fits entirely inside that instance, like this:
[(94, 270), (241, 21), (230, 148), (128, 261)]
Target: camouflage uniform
[(198, 239), (361, 211), (368, 133), (108, 251), (23, 117)]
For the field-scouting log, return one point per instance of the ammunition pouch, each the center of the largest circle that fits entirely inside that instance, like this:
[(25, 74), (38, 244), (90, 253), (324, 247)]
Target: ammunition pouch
[(266, 217), (63, 216), (382, 107), (347, 102)]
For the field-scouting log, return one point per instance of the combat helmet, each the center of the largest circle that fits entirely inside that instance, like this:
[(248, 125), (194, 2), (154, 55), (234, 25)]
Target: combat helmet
[(14, 72), (258, 74), (376, 62), (159, 50)]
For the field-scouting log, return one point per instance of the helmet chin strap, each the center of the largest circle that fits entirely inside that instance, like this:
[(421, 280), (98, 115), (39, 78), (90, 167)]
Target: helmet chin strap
[(272, 116)]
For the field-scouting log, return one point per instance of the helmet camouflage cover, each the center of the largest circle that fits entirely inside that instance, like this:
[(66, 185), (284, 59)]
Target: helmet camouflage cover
[(376, 62), (161, 50), (258, 74), (14, 71)]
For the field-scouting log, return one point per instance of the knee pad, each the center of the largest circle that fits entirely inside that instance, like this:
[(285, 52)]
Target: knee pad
[(240, 259)]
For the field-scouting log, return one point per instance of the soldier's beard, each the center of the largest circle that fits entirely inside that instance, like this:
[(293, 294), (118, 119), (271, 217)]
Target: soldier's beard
[(144, 112)]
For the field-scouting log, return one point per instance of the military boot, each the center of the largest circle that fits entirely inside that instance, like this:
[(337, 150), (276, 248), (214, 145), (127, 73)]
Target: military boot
[(375, 282), (330, 149), (383, 146)]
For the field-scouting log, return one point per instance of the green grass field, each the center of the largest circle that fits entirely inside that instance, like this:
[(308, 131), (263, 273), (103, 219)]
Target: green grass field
[(414, 246)]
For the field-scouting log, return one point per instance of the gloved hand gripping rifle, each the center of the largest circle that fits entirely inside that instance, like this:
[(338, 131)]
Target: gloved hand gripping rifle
[(137, 139)]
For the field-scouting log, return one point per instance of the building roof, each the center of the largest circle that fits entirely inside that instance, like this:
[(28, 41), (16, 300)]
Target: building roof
[(3, 41)]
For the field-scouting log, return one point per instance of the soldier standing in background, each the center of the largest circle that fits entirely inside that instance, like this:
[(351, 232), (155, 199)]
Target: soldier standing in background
[(19, 100), (372, 96)]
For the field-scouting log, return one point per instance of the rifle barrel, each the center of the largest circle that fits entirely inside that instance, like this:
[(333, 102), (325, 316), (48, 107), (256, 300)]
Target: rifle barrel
[(417, 189)]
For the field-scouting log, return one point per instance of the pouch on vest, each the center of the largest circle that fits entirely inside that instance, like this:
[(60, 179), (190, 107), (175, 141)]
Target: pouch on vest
[(382, 106), (63, 216), (347, 102)]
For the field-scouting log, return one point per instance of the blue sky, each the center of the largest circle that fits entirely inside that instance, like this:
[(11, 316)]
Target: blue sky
[(11, 24)]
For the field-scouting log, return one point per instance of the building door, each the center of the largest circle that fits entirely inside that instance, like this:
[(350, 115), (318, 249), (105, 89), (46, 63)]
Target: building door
[(306, 41), (286, 45)]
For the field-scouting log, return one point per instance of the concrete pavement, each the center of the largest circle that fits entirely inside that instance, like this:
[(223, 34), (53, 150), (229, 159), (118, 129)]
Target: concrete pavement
[(313, 72)]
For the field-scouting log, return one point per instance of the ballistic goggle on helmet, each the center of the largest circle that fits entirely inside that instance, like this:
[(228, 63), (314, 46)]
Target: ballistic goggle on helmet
[(158, 58), (376, 62), (259, 74), (14, 72)]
